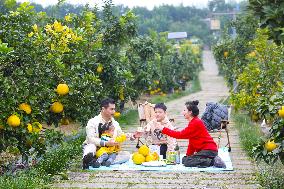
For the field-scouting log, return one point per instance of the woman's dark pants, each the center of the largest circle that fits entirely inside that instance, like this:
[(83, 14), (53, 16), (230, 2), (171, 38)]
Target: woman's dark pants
[(203, 158)]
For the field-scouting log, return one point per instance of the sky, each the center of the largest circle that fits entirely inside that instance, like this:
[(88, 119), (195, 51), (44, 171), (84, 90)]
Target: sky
[(130, 3)]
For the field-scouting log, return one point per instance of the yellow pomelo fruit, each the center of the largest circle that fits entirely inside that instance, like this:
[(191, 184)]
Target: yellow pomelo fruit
[(116, 114), (226, 54), (25, 107), (281, 113), (156, 156), (37, 127), (138, 159), (14, 121), (134, 154), (120, 138), (100, 69), (150, 157), (144, 150), (30, 128), (56, 107), (270, 145), (62, 89)]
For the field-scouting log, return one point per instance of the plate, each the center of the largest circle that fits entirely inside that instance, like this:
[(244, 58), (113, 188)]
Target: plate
[(154, 164)]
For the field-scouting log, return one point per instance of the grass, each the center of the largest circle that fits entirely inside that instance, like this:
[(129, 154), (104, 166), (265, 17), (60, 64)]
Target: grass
[(195, 87), (249, 133), (128, 118), (269, 176)]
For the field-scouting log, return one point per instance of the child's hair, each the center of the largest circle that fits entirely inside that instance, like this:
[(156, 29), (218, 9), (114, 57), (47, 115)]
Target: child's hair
[(104, 127), (192, 106), (161, 106)]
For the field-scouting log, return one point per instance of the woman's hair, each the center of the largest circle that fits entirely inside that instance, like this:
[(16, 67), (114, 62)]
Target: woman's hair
[(192, 106), (161, 106)]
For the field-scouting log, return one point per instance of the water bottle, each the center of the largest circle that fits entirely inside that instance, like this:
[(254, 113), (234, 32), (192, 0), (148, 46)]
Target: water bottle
[(177, 154)]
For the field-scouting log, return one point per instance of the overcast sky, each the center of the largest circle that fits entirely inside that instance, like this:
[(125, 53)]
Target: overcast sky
[(130, 3)]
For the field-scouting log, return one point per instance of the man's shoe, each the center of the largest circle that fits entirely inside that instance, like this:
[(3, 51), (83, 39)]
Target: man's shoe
[(106, 163), (87, 160), (96, 164)]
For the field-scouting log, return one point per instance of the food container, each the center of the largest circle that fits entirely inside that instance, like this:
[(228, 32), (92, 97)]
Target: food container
[(171, 158)]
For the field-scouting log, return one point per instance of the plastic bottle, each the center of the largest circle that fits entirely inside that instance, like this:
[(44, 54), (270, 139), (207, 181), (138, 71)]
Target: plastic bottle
[(177, 154)]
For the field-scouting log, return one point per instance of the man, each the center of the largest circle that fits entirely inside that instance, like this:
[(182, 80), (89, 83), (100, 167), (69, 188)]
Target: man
[(94, 126), (152, 131)]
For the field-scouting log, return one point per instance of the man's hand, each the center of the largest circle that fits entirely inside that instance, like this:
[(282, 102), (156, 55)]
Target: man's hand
[(112, 143)]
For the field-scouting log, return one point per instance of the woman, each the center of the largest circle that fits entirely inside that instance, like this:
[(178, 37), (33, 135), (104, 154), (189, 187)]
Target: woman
[(152, 132), (201, 149)]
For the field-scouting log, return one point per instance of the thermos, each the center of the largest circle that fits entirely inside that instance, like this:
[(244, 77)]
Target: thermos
[(177, 154)]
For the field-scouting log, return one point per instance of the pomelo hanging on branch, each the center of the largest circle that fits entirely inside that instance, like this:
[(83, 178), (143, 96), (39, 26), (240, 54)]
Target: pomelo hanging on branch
[(100, 68), (35, 127), (26, 108), (116, 115), (281, 112), (56, 107), (62, 89), (14, 121), (270, 145)]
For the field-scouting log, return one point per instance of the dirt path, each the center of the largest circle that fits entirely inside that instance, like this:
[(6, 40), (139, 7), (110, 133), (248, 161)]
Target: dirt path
[(243, 176)]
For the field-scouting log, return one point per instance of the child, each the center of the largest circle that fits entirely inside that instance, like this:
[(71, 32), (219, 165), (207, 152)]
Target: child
[(106, 155), (154, 135)]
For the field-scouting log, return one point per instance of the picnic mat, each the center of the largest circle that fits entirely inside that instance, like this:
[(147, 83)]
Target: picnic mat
[(130, 166)]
